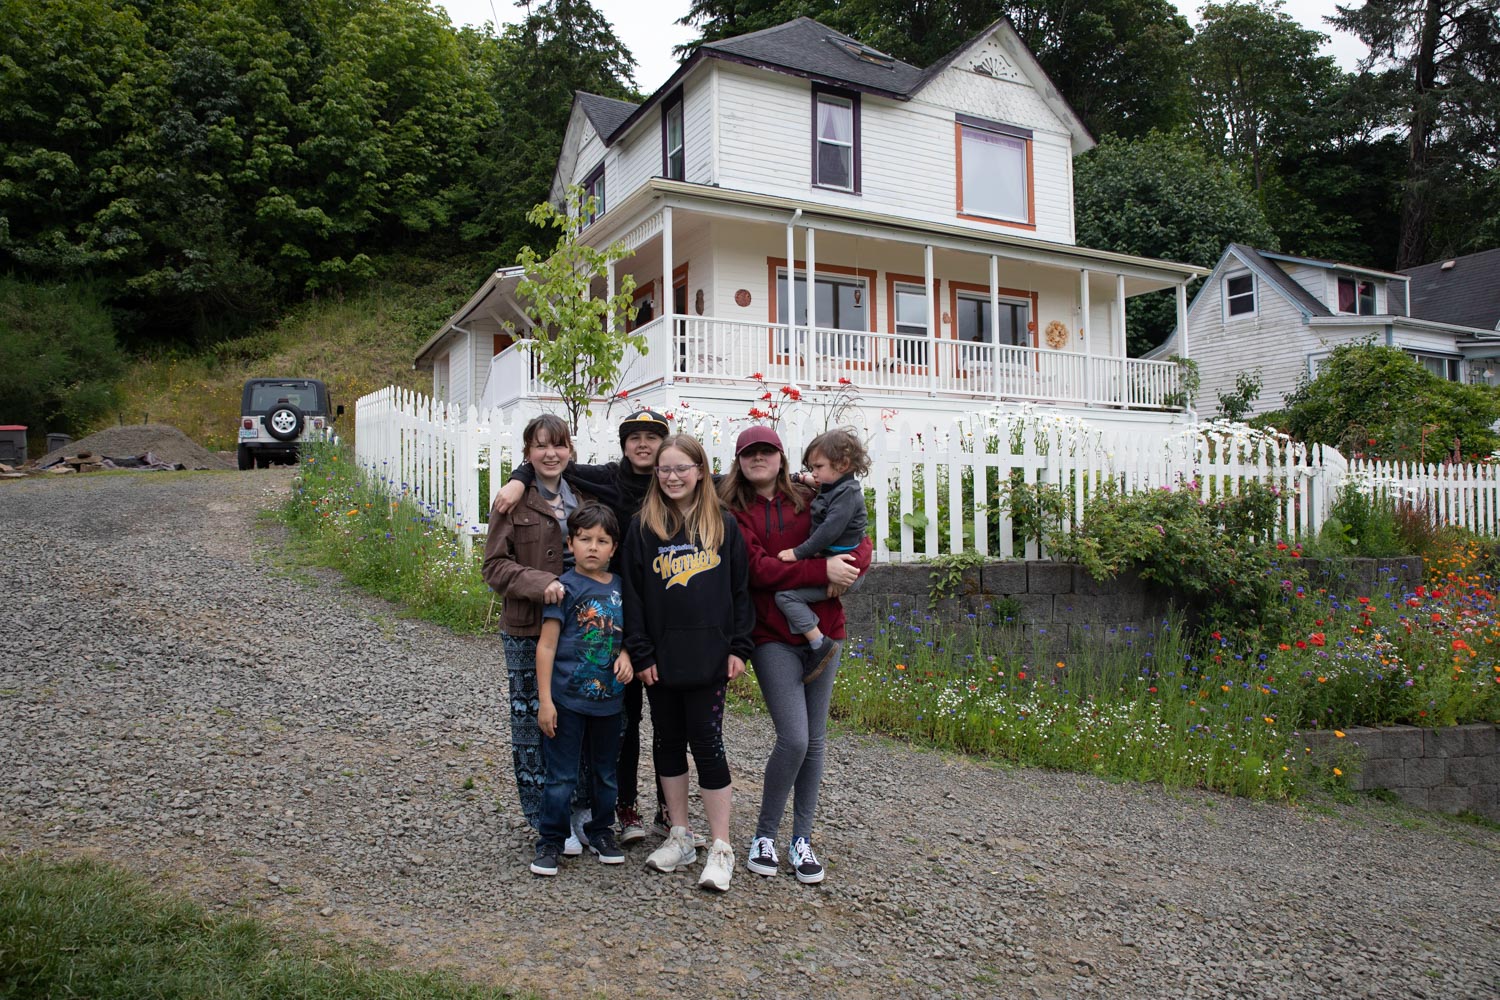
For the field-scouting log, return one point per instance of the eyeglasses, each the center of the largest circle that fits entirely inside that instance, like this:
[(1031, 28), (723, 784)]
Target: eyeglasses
[(680, 471)]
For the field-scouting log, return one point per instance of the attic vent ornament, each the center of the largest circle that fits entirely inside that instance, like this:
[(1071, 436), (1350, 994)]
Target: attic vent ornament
[(1057, 335)]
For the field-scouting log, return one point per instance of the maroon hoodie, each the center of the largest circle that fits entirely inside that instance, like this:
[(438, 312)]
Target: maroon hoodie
[(769, 526)]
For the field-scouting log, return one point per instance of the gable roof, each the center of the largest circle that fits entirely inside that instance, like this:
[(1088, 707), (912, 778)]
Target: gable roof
[(1464, 291), (606, 114), (810, 49), (1271, 271)]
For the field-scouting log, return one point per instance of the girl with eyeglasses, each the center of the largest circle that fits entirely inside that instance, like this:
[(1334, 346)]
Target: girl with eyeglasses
[(688, 620)]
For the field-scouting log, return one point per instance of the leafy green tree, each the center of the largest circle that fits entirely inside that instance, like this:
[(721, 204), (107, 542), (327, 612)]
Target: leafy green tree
[(578, 339), (1381, 402), (1442, 60), (1159, 196), (58, 356)]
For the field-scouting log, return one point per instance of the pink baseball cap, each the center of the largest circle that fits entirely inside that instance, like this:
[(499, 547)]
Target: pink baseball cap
[(757, 434)]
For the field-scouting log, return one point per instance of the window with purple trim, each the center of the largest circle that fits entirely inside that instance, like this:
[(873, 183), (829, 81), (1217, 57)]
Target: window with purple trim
[(835, 141), (1357, 296), (673, 157), (593, 187)]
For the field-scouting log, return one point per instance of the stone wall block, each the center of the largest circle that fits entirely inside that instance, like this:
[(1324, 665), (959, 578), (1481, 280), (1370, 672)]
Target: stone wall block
[(1482, 739), (1049, 578), (1396, 741), (1464, 771), (1486, 799), (1447, 742), (1426, 772), (898, 578), (1003, 577), (1416, 797), (1036, 609), (1450, 799), (1116, 608), (1381, 772)]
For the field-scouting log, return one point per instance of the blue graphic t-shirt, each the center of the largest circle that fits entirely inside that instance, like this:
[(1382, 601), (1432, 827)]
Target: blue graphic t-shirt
[(583, 672)]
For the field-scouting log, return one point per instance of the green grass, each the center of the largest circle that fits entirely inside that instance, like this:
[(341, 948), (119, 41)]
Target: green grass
[(389, 547), (84, 929)]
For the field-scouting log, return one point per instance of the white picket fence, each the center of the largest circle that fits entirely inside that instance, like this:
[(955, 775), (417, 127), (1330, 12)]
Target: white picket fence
[(937, 489)]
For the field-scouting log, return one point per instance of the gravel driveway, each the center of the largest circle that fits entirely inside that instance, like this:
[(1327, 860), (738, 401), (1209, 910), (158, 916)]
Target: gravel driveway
[(175, 699)]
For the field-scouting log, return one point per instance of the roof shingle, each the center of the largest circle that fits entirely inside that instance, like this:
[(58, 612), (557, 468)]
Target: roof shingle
[(1466, 294)]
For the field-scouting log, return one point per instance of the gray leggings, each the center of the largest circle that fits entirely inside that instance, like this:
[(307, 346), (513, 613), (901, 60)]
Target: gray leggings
[(800, 713)]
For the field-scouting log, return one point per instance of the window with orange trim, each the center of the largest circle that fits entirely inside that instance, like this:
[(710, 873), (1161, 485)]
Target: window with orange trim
[(994, 171)]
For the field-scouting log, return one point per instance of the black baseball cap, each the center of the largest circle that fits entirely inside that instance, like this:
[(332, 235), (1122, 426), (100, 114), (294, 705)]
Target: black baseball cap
[(647, 420)]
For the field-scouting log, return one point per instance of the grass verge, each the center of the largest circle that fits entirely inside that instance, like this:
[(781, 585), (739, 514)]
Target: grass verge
[(84, 929)]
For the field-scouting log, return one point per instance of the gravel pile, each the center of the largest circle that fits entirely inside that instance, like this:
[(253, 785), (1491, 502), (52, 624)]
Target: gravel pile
[(165, 442), (175, 699)]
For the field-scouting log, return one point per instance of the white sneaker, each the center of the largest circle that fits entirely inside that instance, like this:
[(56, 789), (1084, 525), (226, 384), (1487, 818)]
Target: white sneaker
[(675, 853), (719, 869), (577, 840), (805, 862), (659, 828), (762, 859)]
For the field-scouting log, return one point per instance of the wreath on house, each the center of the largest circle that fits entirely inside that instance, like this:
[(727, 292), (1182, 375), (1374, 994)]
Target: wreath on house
[(1057, 335)]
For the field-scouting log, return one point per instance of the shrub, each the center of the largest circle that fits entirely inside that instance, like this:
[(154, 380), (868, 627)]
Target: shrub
[(58, 355)]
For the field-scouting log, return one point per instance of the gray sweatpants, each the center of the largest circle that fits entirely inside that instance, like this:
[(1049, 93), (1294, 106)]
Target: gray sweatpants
[(793, 605), (800, 714)]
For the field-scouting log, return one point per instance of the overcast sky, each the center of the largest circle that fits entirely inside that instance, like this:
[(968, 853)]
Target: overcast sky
[(649, 31)]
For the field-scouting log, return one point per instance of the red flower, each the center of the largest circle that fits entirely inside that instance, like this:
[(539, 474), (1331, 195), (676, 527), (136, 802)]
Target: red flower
[(1152, 689), (1020, 675), (766, 394), (758, 376), (1317, 639), (1364, 600), (1301, 644), (1282, 546), (622, 394), (1217, 635), (844, 381)]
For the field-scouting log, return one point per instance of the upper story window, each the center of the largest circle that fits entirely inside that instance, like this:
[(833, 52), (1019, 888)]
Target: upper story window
[(673, 158), (994, 172), (835, 141), (1239, 295), (1357, 295), (593, 187)]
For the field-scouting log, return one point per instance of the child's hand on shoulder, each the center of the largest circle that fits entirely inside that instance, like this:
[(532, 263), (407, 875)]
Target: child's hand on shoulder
[(623, 671), (546, 718), (787, 555)]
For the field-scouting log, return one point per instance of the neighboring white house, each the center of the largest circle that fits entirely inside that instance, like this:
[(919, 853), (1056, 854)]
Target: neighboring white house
[(930, 209), (1281, 315)]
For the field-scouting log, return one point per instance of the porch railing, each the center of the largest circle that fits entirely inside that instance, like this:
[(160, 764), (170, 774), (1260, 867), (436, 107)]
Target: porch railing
[(704, 349)]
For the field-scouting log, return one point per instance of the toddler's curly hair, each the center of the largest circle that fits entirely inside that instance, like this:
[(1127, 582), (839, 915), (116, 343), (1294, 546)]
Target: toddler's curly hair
[(843, 449)]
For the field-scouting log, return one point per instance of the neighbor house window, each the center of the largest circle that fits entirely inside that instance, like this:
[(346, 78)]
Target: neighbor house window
[(1239, 295), (994, 171), (593, 187), (674, 163), (1357, 296), (835, 152), (1441, 365)]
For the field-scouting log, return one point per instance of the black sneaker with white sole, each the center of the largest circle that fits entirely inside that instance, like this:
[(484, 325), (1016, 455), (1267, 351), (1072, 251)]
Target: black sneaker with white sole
[(603, 845), (805, 862), (545, 862), (762, 857)]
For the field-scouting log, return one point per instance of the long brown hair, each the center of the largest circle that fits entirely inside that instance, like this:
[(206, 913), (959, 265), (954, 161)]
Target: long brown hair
[(738, 493), (704, 520)]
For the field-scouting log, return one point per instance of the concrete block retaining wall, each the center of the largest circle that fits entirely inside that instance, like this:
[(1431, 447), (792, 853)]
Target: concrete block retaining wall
[(1060, 608)]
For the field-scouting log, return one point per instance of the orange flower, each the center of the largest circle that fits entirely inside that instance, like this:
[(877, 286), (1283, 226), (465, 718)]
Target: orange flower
[(900, 666), (1339, 733)]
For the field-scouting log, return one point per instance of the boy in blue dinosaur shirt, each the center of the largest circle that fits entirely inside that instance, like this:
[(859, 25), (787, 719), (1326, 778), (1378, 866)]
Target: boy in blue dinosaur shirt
[(581, 673)]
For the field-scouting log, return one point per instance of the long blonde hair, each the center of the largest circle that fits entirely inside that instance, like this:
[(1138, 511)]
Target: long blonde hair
[(704, 520)]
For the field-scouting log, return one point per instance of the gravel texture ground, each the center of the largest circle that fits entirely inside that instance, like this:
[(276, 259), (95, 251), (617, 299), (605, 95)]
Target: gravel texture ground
[(165, 442), (174, 698)]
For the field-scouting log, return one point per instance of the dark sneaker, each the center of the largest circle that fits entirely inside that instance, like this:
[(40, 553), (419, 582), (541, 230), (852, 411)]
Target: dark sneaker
[(762, 859), (818, 656), (805, 862), (545, 862), (603, 845), (631, 827)]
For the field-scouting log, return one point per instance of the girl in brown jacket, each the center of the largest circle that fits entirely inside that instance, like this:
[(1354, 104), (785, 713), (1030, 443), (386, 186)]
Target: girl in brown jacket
[(523, 558)]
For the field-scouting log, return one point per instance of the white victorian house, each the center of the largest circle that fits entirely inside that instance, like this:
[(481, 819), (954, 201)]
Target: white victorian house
[(930, 210), (1280, 315)]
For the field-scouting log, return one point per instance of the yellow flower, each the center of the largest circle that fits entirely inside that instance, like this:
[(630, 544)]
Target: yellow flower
[(1337, 773), (1339, 733)]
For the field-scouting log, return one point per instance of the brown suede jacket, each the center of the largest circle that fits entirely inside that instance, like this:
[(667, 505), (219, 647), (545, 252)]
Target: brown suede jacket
[(523, 555)]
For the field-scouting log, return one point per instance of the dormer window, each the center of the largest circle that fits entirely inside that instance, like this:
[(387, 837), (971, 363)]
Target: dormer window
[(1357, 296), (835, 141), (1239, 295), (674, 160)]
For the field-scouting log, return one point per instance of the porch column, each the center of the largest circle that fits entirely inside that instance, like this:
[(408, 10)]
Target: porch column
[(665, 306), (812, 309), (609, 294), (1120, 348), (932, 321), (1182, 347), (994, 372), (1088, 351), (791, 297)]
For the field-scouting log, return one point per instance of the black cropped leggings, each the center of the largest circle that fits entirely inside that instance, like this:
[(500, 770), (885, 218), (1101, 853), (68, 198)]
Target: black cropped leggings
[(689, 719)]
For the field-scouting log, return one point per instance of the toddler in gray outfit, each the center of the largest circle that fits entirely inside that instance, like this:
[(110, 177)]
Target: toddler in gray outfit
[(837, 458)]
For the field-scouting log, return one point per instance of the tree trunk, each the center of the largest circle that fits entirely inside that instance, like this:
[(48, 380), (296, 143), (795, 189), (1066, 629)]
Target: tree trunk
[(1416, 201)]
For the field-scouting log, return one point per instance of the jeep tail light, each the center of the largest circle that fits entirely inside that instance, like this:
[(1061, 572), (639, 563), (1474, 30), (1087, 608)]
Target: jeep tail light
[(248, 424)]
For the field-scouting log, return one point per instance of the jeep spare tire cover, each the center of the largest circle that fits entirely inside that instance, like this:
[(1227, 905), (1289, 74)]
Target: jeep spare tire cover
[(284, 421)]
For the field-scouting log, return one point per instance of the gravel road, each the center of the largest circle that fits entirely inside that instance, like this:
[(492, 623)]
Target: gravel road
[(174, 698)]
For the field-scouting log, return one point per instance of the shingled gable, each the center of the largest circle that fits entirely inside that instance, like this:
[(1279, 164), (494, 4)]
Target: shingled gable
[(606, 114), (810, 49)]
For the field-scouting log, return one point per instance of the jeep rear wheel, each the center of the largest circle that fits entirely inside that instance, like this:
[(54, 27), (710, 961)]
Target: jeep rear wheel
[(284, 421)]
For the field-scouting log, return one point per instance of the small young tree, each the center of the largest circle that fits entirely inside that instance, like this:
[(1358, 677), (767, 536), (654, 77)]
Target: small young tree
[(579, 340)]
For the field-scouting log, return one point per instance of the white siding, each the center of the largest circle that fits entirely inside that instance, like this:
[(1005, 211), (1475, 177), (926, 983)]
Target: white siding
[(697, 129), (635, 158), (590, 152), (461, 370), (1274, 339), (440, 378), (481, 350), (907, 153)]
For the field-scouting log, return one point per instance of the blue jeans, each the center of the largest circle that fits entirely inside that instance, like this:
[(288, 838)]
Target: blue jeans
[(599, 736)]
